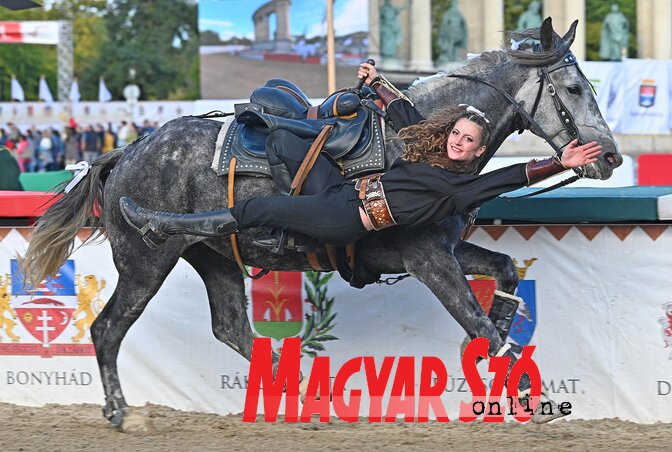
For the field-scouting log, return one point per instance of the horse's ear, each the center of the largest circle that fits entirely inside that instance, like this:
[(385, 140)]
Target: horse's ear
[(568, 39), (546, 34)]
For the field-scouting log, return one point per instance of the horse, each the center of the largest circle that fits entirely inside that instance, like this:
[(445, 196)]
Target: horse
[(169, 170)]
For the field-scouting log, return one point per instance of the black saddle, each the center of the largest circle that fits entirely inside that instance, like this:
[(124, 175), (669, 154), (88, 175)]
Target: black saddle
[(355, 143)]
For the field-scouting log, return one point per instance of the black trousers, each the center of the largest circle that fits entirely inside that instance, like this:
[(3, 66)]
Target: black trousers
[(328, 208), (283, 147), (331, 216)]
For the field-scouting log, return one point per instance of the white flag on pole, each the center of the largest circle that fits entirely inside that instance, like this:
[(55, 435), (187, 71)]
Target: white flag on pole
[(104, 94), (74, 92), (16, 90), (44, 93)]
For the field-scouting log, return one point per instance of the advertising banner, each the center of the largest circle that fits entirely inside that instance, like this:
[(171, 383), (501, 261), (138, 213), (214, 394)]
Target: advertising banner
[(596, 306), (647, 99), (29, 32)]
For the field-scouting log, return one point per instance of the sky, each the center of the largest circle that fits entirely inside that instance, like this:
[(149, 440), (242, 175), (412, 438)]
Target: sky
[(234, 17)]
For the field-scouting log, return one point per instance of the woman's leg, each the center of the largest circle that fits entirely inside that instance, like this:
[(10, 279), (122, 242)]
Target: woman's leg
[(331, 216)]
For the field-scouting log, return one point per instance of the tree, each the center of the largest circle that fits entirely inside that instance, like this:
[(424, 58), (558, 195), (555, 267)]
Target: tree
[(157, 38)]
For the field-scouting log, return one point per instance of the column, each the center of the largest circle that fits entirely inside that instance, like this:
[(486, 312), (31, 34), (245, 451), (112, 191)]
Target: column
[(563, 13), (575, 10), (662, 30), (473, 12), (421, 36), (645, 24), (282, 37), (282, 14), (493, 24), (261, 29)]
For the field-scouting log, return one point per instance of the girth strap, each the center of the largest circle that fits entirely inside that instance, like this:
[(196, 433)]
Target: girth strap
[(309, 160), (234, 240), (301, 175)]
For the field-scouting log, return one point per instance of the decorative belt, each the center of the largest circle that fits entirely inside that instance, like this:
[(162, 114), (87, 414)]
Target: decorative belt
[(372, 194)]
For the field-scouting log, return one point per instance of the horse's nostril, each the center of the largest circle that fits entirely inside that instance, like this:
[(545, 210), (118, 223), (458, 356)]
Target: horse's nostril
[(613, 159)]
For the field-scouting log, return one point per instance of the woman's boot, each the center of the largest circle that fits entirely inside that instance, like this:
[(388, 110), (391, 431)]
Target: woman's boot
[(156, 227)]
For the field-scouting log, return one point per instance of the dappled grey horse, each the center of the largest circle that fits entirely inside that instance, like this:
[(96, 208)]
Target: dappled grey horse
[(170, 171)]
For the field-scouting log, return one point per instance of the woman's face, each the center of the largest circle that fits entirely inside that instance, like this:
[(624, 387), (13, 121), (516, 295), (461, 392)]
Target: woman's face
[(464, 141)]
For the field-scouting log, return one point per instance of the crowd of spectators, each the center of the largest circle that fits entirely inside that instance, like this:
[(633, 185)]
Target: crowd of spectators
[(51, 149)]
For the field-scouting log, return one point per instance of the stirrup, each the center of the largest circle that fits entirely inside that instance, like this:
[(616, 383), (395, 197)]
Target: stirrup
[(274, 245)]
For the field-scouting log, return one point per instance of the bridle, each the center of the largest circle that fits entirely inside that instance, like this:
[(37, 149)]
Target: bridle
[(530, 123)]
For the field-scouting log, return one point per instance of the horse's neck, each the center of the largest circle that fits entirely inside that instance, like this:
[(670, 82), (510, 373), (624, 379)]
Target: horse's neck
[(443, 91)]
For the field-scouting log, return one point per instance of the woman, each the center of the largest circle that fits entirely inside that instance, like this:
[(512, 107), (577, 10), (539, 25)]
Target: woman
[(432, 180)]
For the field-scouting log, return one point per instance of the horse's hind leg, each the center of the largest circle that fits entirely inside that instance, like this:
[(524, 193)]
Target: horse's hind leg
[(226, 295), (140, 277)]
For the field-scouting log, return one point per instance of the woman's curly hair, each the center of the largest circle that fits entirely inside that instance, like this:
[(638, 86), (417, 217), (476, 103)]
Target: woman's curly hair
[(426, 141)]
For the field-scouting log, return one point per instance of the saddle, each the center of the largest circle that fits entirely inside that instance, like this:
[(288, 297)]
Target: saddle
[(355, 142), (349, 132)]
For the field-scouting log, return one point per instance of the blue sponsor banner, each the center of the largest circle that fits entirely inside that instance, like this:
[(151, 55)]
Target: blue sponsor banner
[(523, 327), (63, 284)]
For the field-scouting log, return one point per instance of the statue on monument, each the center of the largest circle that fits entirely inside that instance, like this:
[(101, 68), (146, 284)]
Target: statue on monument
[(391, 34), (452, 34), (531, 18), (614, 36)]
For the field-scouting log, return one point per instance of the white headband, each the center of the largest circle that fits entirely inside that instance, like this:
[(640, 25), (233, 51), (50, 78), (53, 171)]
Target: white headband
[(476, 111)]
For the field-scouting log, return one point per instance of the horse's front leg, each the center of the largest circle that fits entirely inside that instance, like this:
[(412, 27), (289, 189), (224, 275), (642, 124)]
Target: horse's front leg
[(426, 255), (475, 260)]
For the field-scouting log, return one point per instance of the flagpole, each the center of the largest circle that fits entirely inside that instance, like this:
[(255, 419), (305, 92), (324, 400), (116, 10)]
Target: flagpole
[(331, 64)]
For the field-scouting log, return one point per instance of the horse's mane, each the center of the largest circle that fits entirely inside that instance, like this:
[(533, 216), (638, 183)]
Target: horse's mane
[(528, 53)]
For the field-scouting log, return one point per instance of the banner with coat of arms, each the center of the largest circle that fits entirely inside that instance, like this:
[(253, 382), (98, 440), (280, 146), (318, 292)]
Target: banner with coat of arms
[(647, 101), (600, 318)]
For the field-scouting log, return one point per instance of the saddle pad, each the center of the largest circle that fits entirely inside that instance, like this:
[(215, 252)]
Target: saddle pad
[(225, 150)]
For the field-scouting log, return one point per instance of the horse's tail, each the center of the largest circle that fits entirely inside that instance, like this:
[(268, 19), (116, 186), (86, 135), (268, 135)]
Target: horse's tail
[(53, 238)]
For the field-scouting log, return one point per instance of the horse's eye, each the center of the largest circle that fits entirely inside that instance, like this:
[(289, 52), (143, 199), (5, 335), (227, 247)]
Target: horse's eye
[(574, 89)]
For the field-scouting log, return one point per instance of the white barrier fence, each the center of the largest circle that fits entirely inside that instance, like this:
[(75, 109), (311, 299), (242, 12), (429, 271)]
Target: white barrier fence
[(601, 318)]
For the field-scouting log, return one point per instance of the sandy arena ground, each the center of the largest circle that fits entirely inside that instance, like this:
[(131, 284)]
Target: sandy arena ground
[(81, 427)]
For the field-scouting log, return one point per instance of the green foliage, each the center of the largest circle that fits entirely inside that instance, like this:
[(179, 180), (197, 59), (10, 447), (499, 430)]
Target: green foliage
[(439, 7), (596, 11), (320, 320), (159, 38)]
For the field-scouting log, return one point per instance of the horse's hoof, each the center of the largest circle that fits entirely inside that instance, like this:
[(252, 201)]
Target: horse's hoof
[(539, 417), (135, 423)]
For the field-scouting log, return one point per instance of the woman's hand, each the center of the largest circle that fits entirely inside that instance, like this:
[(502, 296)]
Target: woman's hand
[(367, 72), (574, 155)]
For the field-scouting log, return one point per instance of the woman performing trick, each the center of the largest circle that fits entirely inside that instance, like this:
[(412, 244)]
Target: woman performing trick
[(432, 180)]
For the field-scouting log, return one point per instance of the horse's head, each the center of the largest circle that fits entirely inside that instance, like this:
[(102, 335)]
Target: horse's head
[(560, 99)]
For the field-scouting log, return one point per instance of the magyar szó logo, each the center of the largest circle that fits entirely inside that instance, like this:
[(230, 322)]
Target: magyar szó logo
[(666, 324), (278, 308), (51, 319), (647, 93), (525, 320)]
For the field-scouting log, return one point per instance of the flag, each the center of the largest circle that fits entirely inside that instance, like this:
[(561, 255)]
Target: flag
[(17, 91), (44, 93), (74, 92), (104, 94)]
